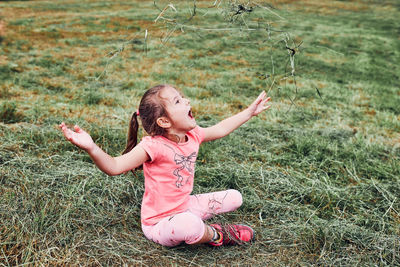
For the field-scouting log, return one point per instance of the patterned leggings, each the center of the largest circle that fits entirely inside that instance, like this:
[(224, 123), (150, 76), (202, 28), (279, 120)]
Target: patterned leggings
[(188, 226)]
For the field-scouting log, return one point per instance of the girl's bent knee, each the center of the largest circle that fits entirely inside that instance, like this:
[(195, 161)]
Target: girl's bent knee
[(236, 198), (171, 231), (187, 227), (186, 219)]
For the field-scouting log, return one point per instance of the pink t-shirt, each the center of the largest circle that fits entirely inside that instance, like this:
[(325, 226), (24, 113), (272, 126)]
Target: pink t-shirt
[(168, 175)]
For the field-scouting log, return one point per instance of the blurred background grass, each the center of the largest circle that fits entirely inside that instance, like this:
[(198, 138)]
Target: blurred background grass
[(319, 171)]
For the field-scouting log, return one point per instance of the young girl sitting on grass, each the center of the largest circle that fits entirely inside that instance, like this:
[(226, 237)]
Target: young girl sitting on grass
[(170, 215)]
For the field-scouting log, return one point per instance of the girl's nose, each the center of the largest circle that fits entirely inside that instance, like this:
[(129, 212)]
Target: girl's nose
[(187, 101)]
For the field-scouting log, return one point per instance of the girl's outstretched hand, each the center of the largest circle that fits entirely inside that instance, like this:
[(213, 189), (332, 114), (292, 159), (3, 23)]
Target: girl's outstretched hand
[(78, 137), (260, 104)]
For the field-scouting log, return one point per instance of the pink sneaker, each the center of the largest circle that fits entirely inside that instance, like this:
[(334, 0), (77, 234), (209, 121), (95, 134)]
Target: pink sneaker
[(233, 234)]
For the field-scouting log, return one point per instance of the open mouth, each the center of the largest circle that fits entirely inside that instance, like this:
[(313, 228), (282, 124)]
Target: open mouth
[(190, 114)]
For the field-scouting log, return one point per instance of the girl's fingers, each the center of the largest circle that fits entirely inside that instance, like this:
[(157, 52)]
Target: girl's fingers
[(262, 105), (66, 132), (260, 98), (266, 100), (62, 126), (266, 107)]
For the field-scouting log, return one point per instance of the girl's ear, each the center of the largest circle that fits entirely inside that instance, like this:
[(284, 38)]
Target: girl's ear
[(164, 122)]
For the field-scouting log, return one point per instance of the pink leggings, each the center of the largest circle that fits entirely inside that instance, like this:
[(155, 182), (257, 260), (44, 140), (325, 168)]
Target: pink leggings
[(188, 226)]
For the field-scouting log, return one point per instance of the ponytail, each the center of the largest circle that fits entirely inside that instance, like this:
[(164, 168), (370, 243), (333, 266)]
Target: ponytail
[(151, 107), (131, 141)]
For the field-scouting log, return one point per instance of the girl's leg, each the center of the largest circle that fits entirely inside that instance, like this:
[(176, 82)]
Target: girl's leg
[(188, 226), (210, 204), (207, 205), (183, 227)]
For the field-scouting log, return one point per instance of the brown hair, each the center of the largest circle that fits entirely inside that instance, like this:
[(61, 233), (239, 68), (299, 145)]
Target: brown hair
[(151, 108)]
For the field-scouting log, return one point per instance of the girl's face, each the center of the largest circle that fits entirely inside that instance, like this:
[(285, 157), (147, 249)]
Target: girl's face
[(179, 110)]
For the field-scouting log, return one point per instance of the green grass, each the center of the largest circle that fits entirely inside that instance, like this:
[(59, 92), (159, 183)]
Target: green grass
[(319, 171)]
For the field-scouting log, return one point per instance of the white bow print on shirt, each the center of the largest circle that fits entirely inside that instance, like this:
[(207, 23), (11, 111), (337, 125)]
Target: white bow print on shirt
[(183, 163)]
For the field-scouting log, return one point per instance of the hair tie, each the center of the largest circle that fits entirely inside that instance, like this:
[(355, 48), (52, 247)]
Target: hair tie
[(137, 112)]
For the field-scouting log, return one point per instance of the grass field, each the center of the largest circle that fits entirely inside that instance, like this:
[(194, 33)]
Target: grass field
[(319, 171)]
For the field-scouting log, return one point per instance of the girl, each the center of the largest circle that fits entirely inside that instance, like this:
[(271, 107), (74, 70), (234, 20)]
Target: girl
[(169, 214)]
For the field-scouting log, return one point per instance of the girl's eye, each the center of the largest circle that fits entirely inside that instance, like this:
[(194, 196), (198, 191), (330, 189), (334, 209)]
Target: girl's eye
[(177, 102)]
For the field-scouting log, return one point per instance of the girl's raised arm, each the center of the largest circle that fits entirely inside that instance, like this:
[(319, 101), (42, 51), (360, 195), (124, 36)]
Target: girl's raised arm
[(110, 165), (230, 124)]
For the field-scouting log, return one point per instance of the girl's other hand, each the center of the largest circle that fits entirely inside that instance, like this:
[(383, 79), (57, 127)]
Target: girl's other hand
[(260, 104), (79, 137)]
